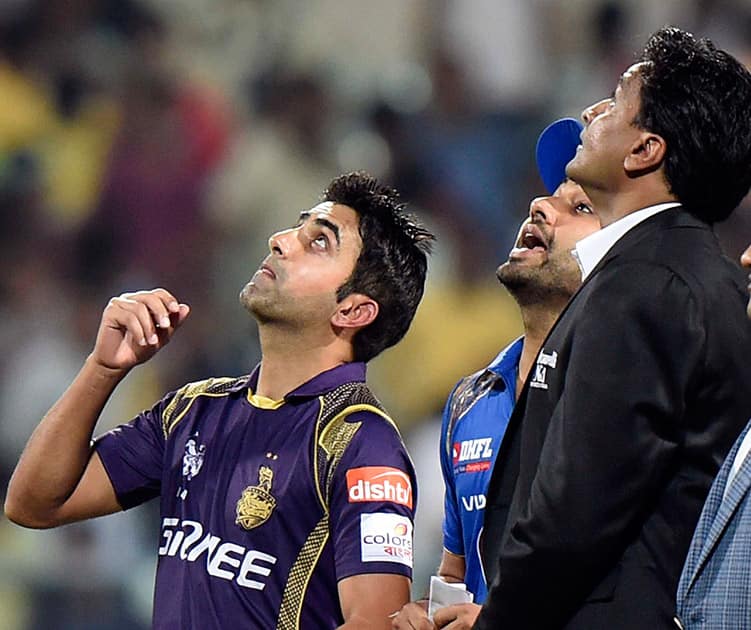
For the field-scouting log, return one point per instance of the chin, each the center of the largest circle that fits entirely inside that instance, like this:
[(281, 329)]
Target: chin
[(573, 168), (514, 274)]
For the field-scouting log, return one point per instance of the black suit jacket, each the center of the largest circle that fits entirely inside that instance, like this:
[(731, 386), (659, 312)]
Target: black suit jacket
[(637, 395)]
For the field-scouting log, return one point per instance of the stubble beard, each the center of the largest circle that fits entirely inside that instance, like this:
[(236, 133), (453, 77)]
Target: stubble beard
[(283, 311), (260, 307), (556, 279)]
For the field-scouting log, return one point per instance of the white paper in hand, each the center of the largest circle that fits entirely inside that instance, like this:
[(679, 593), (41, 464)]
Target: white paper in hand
[(444, 593)]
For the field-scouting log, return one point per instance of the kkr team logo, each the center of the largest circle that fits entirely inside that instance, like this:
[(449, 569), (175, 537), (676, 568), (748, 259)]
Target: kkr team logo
[(192, 459), (256, 503)]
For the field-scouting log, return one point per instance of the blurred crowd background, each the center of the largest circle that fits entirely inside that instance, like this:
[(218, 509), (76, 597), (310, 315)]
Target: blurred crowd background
[(154, 143)]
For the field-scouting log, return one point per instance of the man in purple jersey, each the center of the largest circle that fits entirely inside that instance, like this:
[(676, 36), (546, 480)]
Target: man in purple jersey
[(286, 496)]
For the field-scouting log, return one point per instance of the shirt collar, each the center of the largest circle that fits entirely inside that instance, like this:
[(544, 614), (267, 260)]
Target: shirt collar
[(591, 249), (320, 383), (506, 364)]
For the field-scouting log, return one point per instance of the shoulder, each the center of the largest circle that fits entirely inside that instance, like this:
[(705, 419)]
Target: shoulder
[(177, 403), (668, 274), (677, 244), (633, 282), (467, 392), (351, 399), (352, 408)]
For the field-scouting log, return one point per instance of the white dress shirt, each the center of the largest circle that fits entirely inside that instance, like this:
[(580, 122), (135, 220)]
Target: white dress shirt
[(590, 250), (740, 457)]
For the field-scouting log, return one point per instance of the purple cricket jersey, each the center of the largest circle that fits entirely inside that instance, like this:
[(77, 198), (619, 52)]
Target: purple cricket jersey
[(266, 506)]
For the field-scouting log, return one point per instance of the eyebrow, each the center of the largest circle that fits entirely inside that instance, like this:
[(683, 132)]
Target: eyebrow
[(323, 223)]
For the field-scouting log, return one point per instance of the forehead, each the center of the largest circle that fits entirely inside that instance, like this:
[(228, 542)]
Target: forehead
[(339, 214), (569, 188), (631, 78), (345, 219)]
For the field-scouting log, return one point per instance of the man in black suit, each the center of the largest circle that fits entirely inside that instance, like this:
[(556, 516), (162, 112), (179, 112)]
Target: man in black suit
[(642, 385)]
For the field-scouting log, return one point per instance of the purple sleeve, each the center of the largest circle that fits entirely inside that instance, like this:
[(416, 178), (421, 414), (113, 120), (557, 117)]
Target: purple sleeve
[(373, 502), (133, 455)]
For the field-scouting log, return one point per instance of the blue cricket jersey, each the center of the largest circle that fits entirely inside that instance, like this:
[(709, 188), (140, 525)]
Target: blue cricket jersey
[(474, 422), (265, 506)]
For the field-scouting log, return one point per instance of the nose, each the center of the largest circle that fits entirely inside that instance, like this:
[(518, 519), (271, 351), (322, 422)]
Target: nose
[(746, 257), (593, 110), (541, 210), (279, 242)]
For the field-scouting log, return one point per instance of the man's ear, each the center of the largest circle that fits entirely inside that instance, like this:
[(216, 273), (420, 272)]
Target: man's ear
[(646, 154), (355, 311)]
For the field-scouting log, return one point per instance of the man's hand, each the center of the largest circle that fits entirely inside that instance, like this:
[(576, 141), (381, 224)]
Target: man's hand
[(59, 478), (413, 616), (457, 617), (135, 326)]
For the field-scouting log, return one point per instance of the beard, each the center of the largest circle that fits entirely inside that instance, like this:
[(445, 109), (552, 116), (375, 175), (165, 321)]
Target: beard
[(557, 278), (282, 310), (261, 307)]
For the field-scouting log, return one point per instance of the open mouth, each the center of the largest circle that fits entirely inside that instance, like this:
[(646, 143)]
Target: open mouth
[(532, 238)]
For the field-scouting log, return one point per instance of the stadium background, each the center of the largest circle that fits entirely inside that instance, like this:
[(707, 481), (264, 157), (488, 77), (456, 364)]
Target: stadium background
[(158, 142)]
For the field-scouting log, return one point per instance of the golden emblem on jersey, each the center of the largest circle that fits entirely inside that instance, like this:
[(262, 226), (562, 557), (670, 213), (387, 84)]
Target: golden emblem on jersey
[(256, 503)]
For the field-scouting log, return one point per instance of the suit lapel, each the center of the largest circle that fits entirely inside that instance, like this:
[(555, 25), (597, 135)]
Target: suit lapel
[(718, 510)]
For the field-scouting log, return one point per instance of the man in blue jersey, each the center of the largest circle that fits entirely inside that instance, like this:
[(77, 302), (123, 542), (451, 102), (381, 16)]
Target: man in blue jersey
[(541, 275), (286, 496)]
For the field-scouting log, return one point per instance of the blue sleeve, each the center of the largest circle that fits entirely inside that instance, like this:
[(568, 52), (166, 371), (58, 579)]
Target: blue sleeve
[(373, 502), (452, 526), (133, 456)]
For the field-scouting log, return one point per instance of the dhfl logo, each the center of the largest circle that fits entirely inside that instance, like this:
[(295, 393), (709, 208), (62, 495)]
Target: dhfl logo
[(471, 450), (379, 483)]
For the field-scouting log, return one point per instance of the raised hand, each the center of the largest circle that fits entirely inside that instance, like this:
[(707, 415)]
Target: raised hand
[(135, 326)]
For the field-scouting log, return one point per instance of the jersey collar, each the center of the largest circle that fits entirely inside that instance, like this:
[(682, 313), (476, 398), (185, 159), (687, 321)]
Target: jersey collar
[(321, 383)]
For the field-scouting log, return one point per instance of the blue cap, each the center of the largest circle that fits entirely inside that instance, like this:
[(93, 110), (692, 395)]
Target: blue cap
[(556, 147)]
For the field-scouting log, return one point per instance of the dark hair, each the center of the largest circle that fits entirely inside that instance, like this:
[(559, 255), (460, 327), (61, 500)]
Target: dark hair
[(698, 98), (393, 262)]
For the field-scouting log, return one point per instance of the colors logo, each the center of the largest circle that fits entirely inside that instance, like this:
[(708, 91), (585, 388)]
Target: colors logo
[(386, 537)]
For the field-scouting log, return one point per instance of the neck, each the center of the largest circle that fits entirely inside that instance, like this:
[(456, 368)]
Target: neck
[(611, 206), (291, 358), (537, 321)]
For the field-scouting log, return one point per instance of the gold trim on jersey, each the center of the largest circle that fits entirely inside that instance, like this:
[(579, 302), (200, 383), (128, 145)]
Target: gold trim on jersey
[(316, 443), (263, 402), (299, 576), (347, 411), (184, 397)]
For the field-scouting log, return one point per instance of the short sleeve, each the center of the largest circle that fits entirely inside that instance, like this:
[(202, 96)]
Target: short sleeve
[(373, 502), (452, 528), (133, 456)]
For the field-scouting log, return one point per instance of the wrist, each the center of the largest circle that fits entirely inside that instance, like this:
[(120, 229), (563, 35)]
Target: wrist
[(101, 373)]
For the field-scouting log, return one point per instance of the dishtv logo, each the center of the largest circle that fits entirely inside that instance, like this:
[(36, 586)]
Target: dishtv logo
[(379, 483)]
